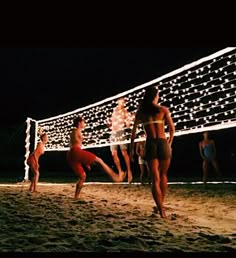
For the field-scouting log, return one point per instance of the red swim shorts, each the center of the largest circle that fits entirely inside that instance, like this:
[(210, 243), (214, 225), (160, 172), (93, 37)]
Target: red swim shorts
[(77, 158)]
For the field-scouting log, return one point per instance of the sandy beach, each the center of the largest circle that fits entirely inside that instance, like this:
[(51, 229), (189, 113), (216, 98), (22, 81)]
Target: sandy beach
[(117, 218)]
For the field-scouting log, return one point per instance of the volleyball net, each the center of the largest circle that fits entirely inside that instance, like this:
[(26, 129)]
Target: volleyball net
[(201, 96)]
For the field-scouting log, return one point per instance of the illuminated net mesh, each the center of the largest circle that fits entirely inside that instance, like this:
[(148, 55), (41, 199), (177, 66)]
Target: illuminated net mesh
[(201, 96)]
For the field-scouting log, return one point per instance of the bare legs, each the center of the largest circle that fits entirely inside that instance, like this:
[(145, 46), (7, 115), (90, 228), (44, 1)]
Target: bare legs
[(205, 171), (116, 161), (142, 170), (34, 167), (158, 171), (78, 169), (127, 162), (34, 182), (115, 177), (216, 167), (79, 184), (156, 190), (163, 167)]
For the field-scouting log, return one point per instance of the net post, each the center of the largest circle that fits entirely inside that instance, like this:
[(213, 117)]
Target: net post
[(27, 152)]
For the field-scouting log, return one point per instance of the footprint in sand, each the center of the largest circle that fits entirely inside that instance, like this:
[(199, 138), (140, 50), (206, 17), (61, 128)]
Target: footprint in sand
[(80, 201), (173, 216)]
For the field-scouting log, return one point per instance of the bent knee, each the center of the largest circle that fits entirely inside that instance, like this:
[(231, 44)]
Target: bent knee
[(82, 176)]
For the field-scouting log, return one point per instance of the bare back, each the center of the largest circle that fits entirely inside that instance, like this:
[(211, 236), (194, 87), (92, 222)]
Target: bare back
[(154, 124)]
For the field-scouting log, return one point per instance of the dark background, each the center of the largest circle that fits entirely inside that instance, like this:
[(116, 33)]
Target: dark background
[(44, 82)]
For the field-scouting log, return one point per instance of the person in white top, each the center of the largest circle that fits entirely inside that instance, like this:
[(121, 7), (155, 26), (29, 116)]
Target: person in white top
[(119, 121)]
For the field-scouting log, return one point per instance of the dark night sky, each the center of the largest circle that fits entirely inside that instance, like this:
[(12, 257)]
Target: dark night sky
[(43, 82)]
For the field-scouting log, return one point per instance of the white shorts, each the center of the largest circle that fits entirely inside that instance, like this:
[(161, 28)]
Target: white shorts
[(141, 161)]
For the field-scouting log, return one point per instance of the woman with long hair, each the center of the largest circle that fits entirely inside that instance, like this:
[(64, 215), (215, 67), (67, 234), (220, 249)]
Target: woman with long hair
[(158, 147)]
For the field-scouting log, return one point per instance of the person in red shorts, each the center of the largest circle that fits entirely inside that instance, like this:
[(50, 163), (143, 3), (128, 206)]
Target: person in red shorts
[(78, 158)]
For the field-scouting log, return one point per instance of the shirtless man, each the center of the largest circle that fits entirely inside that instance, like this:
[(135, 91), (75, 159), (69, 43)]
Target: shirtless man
[(77, 158), (33, 160), (158, 147), (120, 120)]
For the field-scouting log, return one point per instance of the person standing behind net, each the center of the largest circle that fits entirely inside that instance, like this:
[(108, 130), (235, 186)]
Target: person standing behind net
[(33, 160), (78, 158), (207, 151), (158, 147), (120, 120), (140, 151)]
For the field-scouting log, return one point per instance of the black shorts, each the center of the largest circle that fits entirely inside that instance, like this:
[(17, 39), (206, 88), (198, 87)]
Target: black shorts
[(157, 149)]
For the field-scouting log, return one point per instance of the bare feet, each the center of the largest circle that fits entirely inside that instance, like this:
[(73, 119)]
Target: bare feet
[(33, 191), (162, 212), (122, 176), (130, 177)]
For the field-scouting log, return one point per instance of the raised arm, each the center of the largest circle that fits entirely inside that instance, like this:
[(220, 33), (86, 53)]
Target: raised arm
[(40, 130)]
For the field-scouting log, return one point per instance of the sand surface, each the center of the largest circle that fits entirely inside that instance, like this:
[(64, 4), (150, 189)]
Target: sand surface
[(117, 218)]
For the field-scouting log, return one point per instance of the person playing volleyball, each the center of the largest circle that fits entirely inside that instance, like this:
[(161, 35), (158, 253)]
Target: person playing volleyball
[(33, 160), (158, 147), (118, 122), (78, 158)]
